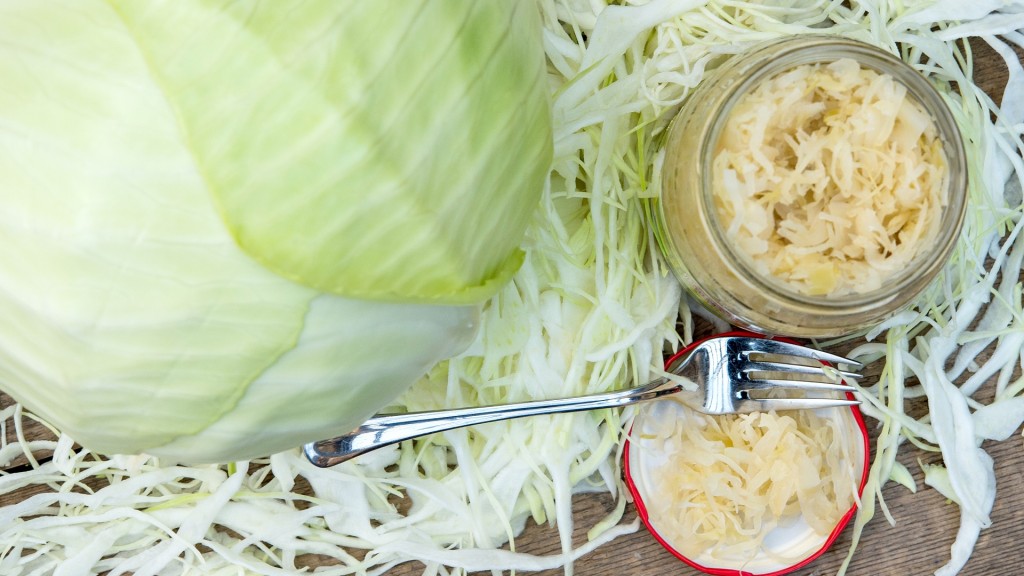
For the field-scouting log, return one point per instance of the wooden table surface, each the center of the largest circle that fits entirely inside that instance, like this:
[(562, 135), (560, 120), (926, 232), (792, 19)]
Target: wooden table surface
[(926, 523)]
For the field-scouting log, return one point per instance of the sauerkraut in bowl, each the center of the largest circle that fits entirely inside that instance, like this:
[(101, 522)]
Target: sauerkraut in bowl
[(757, 494)]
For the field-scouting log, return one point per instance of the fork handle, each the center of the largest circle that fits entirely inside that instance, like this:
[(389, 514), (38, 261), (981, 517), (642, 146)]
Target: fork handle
[(383, 431)]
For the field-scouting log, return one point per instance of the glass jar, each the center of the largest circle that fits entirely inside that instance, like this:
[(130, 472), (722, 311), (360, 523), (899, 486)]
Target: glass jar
[(710, 266)]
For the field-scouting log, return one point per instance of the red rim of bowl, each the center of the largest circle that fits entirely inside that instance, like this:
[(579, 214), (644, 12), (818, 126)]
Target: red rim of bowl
[(642, 508)]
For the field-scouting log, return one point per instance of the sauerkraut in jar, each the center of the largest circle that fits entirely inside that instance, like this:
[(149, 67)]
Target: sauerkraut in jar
[(811, 187), (830, 177)]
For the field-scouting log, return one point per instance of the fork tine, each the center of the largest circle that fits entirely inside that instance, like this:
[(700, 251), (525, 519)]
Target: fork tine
[(778, 404), (796, 369), (766, 346), (771, 383)]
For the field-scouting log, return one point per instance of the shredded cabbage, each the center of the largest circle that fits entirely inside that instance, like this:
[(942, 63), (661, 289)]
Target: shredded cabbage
[(591, 309)]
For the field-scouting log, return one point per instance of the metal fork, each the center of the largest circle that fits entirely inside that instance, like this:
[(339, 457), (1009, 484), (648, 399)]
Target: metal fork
[(726, 370)]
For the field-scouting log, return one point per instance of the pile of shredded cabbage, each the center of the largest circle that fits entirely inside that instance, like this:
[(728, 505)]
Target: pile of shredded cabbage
[(830, 178), (591, 309)]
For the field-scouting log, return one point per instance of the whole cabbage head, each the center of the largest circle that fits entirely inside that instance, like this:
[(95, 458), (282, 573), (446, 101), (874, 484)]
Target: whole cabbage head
[(231, 227)]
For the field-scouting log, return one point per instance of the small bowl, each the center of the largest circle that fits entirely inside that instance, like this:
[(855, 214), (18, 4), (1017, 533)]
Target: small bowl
[(797, 542)]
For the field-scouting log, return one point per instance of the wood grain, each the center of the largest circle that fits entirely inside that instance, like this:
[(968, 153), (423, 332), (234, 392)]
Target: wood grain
[(917, 544)]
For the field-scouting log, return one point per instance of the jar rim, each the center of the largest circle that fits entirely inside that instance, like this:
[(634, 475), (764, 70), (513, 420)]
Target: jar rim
[(786, 54)]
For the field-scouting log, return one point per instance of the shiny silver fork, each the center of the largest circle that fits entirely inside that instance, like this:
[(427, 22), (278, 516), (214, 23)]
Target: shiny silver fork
[(733, 374)]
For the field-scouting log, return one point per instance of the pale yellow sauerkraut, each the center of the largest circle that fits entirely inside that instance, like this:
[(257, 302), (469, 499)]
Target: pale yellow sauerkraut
[(729, 480), (830, 178)]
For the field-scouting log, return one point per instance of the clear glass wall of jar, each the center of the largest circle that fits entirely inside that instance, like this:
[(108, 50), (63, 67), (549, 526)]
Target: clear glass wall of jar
[(708, 264)]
